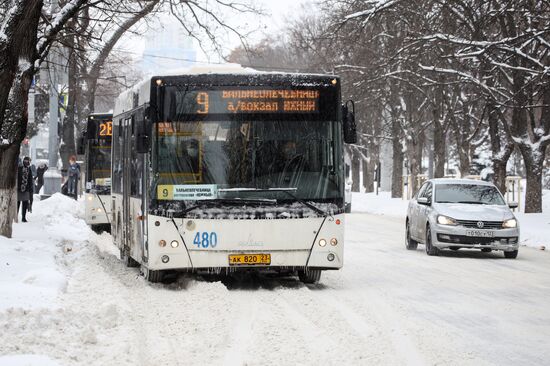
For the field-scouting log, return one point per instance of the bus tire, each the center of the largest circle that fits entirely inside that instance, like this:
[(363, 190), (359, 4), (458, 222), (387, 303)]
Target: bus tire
[(310, 275), (511, 255), (127, 259), (152, 276)]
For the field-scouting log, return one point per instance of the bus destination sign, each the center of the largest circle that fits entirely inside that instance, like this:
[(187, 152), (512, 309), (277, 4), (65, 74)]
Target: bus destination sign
[(248, 101)]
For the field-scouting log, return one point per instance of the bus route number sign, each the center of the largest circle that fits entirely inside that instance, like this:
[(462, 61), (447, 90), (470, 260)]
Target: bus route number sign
[(106, 129), (249, 101)]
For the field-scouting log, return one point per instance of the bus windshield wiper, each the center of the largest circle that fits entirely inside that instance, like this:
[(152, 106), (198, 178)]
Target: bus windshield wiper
[(220, 201), (285, 190)]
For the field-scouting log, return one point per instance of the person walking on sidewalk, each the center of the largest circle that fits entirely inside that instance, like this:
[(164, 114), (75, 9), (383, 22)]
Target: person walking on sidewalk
[(24, 187), (73, 176)]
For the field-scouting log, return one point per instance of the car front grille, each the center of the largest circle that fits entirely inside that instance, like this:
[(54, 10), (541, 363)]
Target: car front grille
[(486, 224)]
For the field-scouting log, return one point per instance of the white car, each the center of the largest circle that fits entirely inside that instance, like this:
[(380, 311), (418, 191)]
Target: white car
[(461, 213)]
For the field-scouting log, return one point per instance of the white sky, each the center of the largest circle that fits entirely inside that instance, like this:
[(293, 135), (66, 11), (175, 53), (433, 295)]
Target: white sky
[(278, 13)]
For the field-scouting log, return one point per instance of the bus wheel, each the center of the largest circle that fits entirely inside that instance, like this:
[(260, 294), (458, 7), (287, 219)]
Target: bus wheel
[(310, 275), (127, 260), (152, 276)]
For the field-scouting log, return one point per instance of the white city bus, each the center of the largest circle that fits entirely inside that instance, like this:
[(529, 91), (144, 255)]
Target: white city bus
[(95, 144), (225, 172)]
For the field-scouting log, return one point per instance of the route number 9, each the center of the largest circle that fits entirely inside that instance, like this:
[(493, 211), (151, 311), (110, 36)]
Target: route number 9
[(164, 193), (202, 100)]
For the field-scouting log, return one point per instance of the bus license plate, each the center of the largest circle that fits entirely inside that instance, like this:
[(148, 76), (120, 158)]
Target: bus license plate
[(249, 259)]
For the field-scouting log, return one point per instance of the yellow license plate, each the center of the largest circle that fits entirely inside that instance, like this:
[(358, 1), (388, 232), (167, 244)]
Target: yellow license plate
[(249, 259)]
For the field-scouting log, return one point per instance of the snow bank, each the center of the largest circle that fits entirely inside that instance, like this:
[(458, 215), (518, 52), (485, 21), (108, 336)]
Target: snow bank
[(27, 360), (382, 204), (534, 227), (30, 275)]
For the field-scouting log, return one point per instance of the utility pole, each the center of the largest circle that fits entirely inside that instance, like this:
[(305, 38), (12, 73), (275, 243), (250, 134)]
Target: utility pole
[(52, 177)]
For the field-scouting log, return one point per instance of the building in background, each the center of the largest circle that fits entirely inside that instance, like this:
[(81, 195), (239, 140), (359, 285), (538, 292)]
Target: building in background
[(167, 48)]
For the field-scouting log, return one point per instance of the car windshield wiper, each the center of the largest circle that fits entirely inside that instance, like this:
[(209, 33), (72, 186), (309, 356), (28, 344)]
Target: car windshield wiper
[(472, 202), (284, 190), (220, 201)]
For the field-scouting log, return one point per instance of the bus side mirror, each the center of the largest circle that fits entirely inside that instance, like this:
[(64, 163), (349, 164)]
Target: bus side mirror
[(91, 131), (350, 129), (80, 145), (142, 136)]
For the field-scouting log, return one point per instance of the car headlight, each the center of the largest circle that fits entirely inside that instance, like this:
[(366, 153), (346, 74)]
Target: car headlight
[(446, 220), (510, 224)]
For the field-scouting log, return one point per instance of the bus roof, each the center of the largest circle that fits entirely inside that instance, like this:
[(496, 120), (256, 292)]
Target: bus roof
[(141, 92)]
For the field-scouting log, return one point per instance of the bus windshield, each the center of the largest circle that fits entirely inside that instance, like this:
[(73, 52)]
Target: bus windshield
[(230, 158), (99, 161)]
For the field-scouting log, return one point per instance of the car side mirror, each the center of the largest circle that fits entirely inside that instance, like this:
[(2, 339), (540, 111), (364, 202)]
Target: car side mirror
[(513, 205), (349, 126), (423, 201)]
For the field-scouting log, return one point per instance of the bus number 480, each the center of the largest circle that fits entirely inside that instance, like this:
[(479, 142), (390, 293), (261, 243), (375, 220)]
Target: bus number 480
[(205, 240)]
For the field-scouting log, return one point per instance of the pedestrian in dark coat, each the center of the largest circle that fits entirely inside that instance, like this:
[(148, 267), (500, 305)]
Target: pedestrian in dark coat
[(73, 176), (40, 176), (24, 187)]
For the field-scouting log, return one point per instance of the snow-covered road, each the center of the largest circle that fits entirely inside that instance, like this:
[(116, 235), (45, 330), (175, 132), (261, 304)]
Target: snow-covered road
[(387, 306)]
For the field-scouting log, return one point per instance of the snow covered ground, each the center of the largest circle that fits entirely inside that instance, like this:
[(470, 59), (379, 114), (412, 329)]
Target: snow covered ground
[(67, 300), (535, 228)]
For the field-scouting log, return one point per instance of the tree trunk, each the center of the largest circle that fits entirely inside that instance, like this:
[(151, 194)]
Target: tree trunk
[(397, 161), (68, 147), (439, 142), (534, 161), (355, 171), (415, 161), (501, 154), (8, 198), (368, 175)]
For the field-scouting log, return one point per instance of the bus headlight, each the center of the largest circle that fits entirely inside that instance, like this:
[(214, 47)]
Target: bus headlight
[(174, 244), (162, 243), (510, 224), (322, 242), (165, 259), (90, 198), (333, 241), (330, 257)]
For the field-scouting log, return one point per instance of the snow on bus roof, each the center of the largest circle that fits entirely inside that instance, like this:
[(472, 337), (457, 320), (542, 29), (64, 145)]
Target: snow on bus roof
[(125, 101)]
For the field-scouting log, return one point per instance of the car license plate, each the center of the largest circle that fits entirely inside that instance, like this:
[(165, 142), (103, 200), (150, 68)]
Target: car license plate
[(249, 259), (480, 233)]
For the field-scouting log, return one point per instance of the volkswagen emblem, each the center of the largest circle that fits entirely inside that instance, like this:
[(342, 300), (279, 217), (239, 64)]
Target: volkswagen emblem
[(480, 224)]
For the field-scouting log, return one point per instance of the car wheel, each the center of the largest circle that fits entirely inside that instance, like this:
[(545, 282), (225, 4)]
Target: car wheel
[(486, 250), (430, 249), (511, 255), (410, 244)]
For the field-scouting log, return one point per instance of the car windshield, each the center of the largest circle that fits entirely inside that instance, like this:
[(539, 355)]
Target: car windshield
[(468, 194), (236, 158)]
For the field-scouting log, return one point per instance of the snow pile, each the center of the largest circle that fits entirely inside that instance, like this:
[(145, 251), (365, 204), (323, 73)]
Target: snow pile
[(27, 360), (29, 273), (381, 204), (534, 227)]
